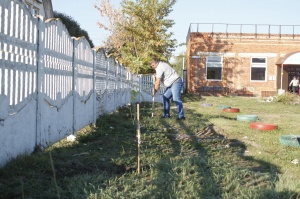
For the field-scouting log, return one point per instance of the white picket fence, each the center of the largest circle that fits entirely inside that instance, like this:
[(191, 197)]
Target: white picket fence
[(52, 84)]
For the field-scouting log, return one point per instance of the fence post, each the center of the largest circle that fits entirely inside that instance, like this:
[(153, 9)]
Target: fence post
[(40, 140), (74, 82), (94, 87), (119, 84), (106, 80), (140, 86), (115, 85)]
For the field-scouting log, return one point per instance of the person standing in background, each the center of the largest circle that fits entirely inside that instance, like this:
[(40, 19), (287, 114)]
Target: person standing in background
[(295, 84)]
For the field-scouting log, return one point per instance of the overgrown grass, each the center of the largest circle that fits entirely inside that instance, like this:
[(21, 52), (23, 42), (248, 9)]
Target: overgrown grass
[(208, 155)]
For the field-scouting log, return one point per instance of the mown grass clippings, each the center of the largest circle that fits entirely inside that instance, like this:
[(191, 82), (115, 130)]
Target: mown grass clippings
[(208, 155)]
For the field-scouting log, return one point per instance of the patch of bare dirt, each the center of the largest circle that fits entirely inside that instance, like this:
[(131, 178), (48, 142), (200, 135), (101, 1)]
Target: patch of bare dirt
[(209, 133)]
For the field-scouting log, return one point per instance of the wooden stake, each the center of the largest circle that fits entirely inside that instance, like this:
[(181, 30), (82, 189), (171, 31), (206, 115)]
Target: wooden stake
[(138, 135), (153, 80)]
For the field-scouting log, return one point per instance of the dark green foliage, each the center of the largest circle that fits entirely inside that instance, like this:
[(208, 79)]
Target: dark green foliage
[(286, 98), (178, 63), (73, 27)]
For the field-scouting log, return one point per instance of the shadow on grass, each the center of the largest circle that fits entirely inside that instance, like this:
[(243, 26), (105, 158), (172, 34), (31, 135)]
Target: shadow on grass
[(197, 157), (75, 163), (102, 163), (206, 157)]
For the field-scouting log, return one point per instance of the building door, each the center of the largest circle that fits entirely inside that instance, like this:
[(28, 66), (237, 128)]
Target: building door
[(293, 71)]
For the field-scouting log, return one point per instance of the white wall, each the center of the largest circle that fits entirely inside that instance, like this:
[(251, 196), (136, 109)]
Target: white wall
[(51, 84)]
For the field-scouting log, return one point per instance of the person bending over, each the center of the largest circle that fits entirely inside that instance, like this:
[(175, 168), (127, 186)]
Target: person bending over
[(173, 83)]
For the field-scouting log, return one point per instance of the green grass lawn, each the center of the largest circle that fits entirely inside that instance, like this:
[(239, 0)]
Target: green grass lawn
[(209, 155)]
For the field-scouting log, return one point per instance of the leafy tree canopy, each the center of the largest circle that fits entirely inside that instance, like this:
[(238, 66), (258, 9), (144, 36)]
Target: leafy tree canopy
[(179, 62), (139, 32)]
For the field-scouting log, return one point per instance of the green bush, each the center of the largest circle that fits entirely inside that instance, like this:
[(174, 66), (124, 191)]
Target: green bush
[(286, 98)]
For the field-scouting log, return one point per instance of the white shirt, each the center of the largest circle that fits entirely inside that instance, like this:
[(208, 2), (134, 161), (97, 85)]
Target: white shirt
[(295, 82), (166, 73)]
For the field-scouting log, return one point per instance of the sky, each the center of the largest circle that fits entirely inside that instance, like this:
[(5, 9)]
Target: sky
[(185, 12)]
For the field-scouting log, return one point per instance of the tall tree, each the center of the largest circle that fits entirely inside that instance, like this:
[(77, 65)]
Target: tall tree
[(142, 32), (146, 30), (111, 17), (178, 63)]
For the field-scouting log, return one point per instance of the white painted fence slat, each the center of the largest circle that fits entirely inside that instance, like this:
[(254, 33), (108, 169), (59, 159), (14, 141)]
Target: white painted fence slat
[(51, 84)]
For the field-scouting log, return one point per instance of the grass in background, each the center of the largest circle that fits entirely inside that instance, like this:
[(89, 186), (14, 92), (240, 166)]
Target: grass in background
[(208, 155)]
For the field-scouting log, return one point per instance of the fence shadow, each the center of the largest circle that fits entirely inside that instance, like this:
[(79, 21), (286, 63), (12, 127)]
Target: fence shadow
[(108, 151), (203, 147)]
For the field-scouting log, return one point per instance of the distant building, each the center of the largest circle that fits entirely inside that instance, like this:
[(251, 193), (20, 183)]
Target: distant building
[(249, 60), (40, 7)]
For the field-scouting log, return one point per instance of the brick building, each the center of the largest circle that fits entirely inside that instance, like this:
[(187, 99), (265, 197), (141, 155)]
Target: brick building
[(40, 7), (252, 60)]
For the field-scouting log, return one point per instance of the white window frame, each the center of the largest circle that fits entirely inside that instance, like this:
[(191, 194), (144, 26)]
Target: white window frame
[(35, 11), (28, 5), (214, 61), (259, 65)]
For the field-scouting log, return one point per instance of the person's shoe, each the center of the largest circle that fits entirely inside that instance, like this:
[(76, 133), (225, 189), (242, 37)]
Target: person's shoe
[(182, 118), (165, 116)]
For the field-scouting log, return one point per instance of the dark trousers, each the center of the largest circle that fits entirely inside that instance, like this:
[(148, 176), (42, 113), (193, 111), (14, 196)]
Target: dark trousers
[(295, 89)]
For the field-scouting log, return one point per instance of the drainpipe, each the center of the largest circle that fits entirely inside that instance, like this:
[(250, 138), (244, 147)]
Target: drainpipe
[(281, 76), (280, 91)]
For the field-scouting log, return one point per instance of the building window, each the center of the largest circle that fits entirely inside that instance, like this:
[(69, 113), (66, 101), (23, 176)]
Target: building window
[(258, 69), (28, 5), (214, 67), (35, 11)]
